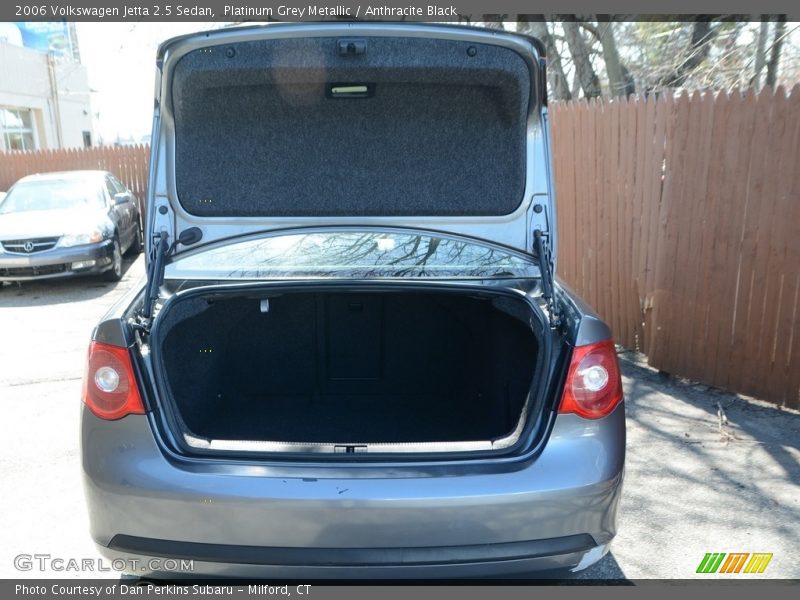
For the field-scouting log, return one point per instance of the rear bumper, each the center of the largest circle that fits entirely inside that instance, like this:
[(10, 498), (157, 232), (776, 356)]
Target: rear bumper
[(55, 263), (161, 558), (240, 520)]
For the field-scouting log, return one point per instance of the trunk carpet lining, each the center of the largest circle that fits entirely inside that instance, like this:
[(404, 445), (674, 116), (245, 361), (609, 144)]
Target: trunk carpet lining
[(443, 134)]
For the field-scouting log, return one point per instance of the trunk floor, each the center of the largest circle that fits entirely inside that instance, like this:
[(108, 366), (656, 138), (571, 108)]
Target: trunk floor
[(362, 418)]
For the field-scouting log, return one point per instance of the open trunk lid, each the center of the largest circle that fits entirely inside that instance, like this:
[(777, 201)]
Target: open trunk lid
[(442, 128)]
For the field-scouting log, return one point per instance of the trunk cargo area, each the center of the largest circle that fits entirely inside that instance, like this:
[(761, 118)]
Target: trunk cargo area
[(336, 367)]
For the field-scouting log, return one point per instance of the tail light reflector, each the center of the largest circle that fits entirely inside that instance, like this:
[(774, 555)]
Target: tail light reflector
[(593, 388), (109, 385)]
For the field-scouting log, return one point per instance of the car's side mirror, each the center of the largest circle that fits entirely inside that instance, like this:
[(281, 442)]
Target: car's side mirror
[(122, 197)]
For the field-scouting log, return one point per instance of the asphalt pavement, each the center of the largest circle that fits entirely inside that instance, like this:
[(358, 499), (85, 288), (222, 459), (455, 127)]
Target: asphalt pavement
[(706, 471)]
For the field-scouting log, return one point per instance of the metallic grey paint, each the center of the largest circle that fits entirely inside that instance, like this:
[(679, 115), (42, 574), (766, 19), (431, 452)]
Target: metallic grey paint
[(572, 487), (137, 486), (585, 325)]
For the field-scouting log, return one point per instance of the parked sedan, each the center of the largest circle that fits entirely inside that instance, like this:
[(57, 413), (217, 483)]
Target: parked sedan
[(351, 357), (65, 224)]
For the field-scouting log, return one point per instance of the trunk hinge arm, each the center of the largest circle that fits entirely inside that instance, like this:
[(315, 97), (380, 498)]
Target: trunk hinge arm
[(544, 256), (161, 231), (155, 275), (160, 251)]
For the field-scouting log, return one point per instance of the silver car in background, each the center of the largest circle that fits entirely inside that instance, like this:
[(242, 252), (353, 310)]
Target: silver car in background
[(352, 357), (67, 223)]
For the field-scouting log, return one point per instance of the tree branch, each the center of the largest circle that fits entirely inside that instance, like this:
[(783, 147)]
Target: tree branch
[(699, 48)]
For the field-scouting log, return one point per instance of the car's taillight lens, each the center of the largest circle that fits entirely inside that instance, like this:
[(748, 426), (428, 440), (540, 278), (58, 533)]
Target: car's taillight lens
[(109, 386), (593, 387)]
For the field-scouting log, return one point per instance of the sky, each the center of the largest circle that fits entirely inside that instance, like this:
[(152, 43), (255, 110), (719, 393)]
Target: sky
[(120, 61)]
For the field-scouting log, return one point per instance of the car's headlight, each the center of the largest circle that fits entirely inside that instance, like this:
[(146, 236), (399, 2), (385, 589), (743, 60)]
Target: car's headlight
[(82, 238)]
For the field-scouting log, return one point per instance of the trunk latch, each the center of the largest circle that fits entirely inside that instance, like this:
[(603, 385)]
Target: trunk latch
[(349, 449), (352, 46)]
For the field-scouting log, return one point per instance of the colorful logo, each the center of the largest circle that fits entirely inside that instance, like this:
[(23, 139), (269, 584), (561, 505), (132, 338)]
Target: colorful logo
[(736, 562)]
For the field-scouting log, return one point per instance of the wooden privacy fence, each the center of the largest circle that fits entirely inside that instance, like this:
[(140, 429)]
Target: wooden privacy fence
[(128, 163), (679, 221)]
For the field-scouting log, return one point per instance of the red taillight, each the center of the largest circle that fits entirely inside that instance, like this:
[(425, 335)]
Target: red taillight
[(593, 387), (109, 386)]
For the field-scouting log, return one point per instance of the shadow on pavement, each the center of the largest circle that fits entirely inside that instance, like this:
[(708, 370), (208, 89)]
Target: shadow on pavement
[(705, 469)]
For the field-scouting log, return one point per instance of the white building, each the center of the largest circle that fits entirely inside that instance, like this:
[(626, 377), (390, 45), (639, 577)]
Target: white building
[(44, 97)]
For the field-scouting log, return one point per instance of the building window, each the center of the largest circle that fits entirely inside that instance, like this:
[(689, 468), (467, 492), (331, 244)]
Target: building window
[(16, 127), (87, 139)]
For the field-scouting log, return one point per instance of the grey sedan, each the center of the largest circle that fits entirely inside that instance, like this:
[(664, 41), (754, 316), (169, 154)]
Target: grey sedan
[(352, 356)]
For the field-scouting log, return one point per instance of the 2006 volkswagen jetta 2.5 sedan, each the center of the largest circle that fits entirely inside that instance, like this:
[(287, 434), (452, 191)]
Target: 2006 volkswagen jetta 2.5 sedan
[(351, 357)]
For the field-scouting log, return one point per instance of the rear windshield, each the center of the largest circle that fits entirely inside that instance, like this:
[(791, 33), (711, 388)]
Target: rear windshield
[(352, 254)]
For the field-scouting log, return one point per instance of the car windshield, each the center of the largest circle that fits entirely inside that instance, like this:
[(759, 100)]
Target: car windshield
[(352, 254), (51, 194)]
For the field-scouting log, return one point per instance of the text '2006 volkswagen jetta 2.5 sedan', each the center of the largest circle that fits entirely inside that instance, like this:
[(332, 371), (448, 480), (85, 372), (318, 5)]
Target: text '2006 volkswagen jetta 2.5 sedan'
[(351, 357)]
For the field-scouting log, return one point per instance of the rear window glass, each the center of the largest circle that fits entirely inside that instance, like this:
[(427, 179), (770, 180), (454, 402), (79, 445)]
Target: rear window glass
[(352, 254)]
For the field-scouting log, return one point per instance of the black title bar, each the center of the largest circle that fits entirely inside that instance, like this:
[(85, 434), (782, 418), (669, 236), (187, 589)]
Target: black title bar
[(386, 10)]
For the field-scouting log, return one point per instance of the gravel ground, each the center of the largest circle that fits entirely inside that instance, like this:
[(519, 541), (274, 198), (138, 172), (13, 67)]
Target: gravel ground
[(694, 484)]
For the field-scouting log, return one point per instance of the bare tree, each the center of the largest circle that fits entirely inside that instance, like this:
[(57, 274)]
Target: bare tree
[(494, 21), (580, 52), (617, 82), (620, 81), (537, 26), (700, 46), (606, 56), (761, 53), (775, 54)]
